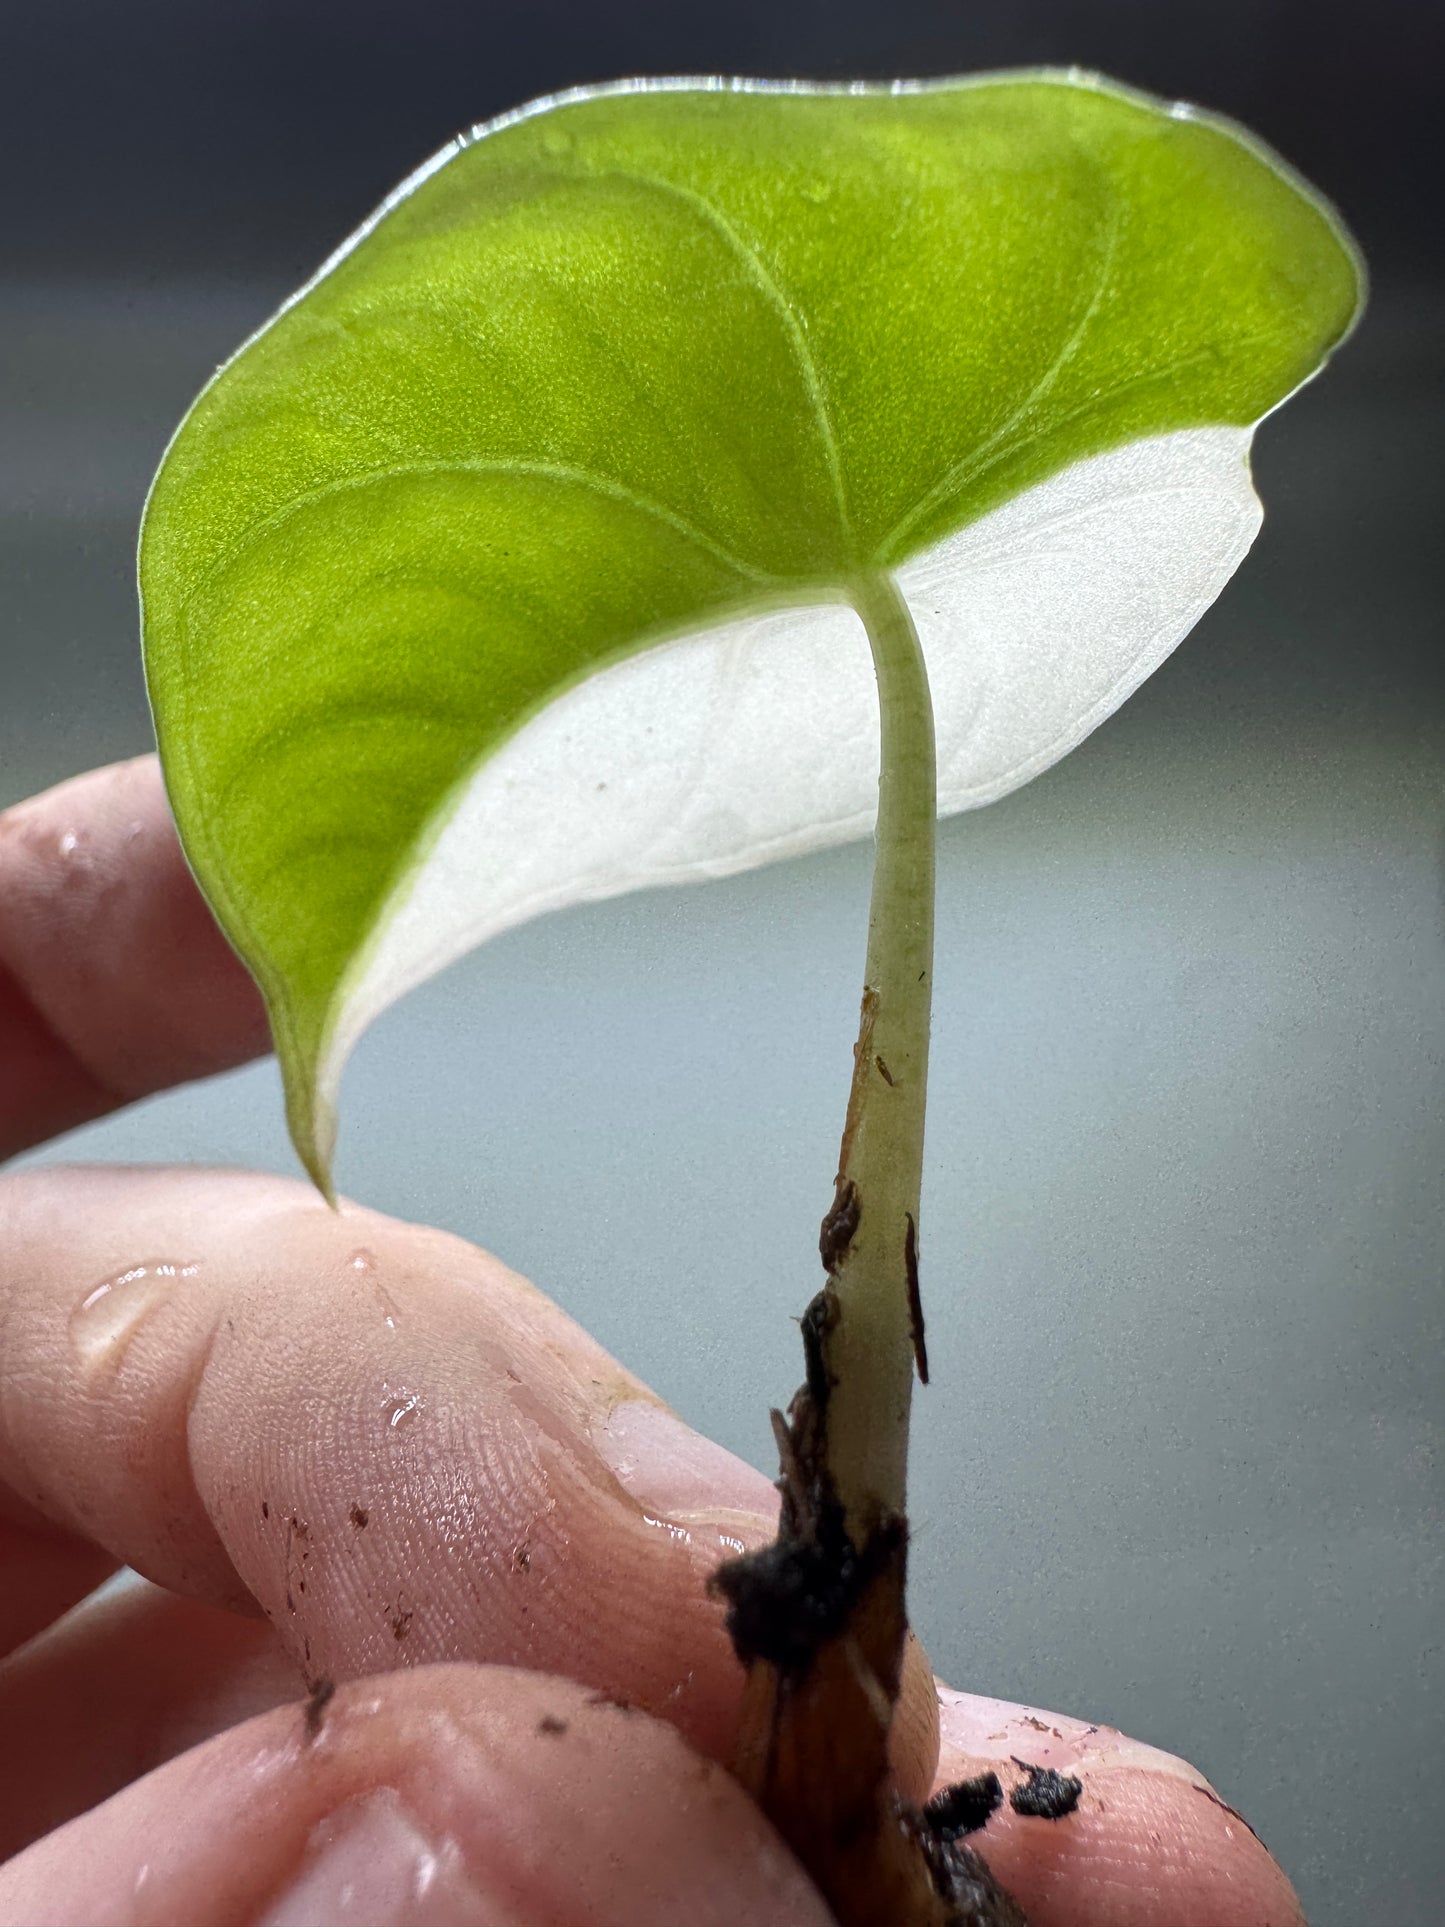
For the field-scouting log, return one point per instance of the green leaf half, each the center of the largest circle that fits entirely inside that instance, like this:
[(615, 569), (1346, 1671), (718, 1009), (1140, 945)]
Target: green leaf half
[(510, 564)]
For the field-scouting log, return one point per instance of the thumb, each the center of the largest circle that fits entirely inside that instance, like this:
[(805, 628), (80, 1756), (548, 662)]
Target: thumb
[(451, 1796)]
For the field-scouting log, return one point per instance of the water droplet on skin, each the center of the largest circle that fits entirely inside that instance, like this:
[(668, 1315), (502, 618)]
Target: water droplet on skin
[(69, 843), (402, 1410), (364, 1259), (679, 1534), (109, 1316)]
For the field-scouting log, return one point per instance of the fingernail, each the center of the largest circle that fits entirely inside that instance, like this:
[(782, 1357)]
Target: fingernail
[(369, 1865), (681, 1479)]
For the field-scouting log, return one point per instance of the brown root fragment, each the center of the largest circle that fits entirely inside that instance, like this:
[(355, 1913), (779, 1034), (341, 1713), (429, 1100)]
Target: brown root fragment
[(915, 1302), (819, 1623), (836, 1233)]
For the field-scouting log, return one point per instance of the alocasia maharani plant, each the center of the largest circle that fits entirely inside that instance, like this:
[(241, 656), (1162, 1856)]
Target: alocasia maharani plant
[(535, 551)]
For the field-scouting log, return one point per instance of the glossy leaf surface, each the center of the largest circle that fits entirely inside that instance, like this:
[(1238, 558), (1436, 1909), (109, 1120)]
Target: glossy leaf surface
[(510, 563)]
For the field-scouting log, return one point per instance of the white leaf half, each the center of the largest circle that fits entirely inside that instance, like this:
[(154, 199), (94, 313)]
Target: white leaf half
[(758, 739)]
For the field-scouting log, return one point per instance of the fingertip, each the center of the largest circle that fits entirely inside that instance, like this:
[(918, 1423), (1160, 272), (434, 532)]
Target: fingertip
[(1150, 1839), (373, 1433)]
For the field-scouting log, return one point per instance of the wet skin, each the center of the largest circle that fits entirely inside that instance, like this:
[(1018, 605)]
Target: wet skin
[(348, 1452)]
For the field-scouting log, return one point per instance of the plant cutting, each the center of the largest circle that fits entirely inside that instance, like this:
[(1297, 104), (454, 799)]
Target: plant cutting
[(676, 476)]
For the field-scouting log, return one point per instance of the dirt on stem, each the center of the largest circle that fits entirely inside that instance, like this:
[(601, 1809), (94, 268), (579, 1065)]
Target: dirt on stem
[(820, 1625)]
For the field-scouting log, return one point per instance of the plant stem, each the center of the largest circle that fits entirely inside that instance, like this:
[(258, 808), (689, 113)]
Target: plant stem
[(819, 1618), (872, 1348)]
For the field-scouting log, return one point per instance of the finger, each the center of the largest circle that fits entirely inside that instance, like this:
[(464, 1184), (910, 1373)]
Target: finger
[(397, 1448), (45, 1573), (136, 1675), (1150, 1839), (459, 1797), (129, 1679), (114, 979)]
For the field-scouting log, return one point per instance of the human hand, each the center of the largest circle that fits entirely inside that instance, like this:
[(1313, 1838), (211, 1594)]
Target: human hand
[(351, 1450)]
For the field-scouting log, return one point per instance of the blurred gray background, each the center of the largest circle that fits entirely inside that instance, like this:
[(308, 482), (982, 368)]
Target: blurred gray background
[(1180, 1468)]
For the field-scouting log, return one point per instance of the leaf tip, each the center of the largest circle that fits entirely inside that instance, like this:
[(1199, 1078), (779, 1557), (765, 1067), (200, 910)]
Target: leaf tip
[(311, 1120)]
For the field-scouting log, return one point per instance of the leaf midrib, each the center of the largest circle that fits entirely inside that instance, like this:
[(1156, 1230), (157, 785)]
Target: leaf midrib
[(783, 305)]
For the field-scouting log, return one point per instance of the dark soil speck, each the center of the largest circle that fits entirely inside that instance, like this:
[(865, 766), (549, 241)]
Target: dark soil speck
[(1046, 1794)]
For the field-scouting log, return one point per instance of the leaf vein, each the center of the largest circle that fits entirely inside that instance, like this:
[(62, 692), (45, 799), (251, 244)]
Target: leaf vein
[(976, 462), (1063, 421), (554, 471), (773, 291)]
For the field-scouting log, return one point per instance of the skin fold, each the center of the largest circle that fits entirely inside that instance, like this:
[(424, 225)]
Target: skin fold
[(349, 1452)]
